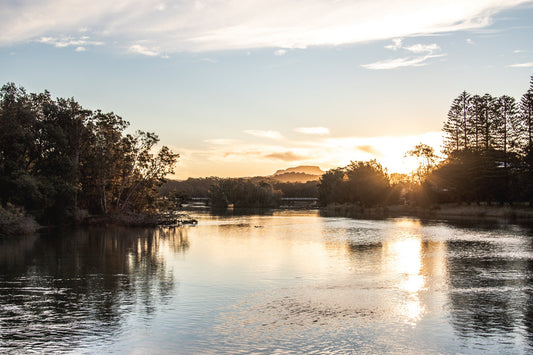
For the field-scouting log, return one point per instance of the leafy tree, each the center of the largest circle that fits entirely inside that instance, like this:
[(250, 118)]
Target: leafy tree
[(331, 187), (360, 182), (367, 182), (57, 157), (426, 158)]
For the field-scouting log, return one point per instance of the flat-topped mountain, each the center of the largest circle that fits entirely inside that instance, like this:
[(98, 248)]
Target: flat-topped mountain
[(305, 169), (298, 174)]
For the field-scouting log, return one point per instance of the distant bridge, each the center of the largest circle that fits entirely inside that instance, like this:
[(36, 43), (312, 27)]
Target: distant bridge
[(200, 202), (286, 202), (300, 202)]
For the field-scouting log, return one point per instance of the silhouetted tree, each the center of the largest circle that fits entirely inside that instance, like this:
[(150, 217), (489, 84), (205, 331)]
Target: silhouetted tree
[(365, 183), (456, 128), (331, 187), (426, 158)]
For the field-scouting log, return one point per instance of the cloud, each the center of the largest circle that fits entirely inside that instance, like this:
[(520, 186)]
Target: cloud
[(264, 134), (80, 49), (396, 44), (427, 50), (469, 41), (369, 149), (211, 25), (423, 48), (400, 62), (150, 52), (280, 52), (286, 156), (62, 42), (521, 65), (312, 130)]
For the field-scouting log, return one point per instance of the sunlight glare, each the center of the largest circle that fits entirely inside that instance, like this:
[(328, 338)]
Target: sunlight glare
[(388, 151), (403, 255)]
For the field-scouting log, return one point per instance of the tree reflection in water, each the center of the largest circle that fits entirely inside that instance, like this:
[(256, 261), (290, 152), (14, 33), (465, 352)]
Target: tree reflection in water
[(64, 286)]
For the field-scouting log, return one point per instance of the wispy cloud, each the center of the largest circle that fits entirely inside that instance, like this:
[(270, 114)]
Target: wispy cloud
[(312, 130), (401, 62), (396, 44), (423, 53), (150, 52), (280, 52), (370, 150), (423, 48), (62, 42), (264, 134), (286, 156), (521, 65), (210, 25)]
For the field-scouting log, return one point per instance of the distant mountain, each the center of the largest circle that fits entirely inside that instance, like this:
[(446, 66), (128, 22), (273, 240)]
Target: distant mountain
[(305, 169), (298, 174)]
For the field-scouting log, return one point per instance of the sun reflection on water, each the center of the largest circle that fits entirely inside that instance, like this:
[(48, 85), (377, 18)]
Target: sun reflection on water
[(403, 256)]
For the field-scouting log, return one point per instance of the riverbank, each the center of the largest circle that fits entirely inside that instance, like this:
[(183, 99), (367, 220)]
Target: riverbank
[(445, 211), (15, 222), (131, 219)]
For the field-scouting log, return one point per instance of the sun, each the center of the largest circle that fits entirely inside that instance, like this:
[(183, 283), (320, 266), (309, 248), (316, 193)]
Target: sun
[(391, 151)]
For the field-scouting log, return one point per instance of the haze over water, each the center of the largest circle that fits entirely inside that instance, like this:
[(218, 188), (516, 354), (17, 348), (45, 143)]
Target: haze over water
[(284, 282)]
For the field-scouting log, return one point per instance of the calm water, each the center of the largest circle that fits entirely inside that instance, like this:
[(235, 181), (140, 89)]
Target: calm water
[(290, 282)]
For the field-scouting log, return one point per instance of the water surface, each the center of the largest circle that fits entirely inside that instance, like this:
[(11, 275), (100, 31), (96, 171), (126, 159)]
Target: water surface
[(287, 282)]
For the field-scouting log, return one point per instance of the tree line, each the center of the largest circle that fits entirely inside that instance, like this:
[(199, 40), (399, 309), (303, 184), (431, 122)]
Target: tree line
[(255, 192), (488, 147), (60, 161)]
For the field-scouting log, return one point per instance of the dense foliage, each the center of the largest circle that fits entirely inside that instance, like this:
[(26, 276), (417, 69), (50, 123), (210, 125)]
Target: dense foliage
[(256, 192), (59, 161), (365, 183), (243, 193), (489, 147)]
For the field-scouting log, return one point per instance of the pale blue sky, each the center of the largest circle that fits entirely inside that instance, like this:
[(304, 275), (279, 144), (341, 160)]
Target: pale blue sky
[(230, 87)]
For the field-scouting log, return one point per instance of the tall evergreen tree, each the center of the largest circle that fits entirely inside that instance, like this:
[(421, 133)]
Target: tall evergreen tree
[(477, 113), (456, 128), (506, 110), (526, 117), (488, 123)]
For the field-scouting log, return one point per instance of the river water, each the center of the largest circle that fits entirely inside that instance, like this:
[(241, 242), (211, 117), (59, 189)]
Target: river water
[(284, 282)]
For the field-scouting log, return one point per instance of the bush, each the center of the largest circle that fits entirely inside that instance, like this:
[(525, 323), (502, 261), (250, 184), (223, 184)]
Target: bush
[(14, 221)]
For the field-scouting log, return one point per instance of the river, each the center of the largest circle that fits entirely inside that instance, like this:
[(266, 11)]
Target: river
[(283, 282)]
